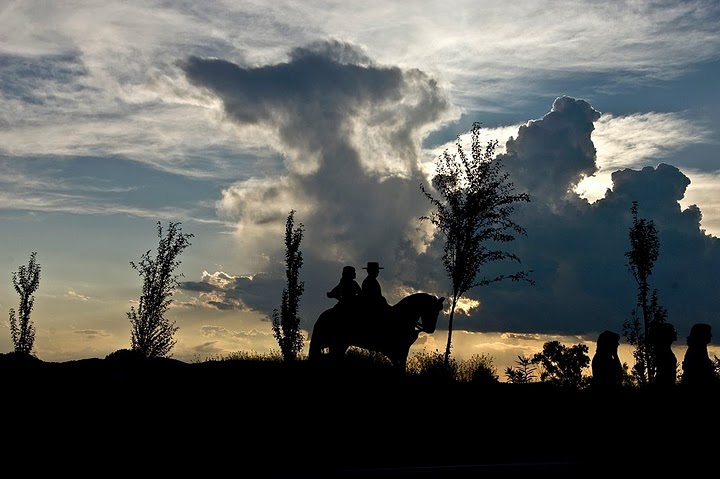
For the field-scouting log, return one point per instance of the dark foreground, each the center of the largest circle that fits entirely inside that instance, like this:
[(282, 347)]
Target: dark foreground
[(265, 419)]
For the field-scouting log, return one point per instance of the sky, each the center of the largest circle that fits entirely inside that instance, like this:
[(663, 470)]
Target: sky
[(224, 116)]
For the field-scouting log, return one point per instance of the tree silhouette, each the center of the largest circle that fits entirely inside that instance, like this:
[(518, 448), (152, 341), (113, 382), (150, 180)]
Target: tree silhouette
[(474, 216), (26, 281), (286, 323), (152, 332), (644, 252), (562, 365), (523, 373)]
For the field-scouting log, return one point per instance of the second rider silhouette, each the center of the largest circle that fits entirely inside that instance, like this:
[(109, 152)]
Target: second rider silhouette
[(347, 289)]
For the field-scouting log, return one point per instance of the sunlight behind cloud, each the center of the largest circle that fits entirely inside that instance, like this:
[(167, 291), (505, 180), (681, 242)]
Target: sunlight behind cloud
[(703, 191), (635, 141), (466, 306)]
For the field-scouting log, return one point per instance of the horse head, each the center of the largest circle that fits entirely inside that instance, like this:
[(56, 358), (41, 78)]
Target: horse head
[(429, 315)]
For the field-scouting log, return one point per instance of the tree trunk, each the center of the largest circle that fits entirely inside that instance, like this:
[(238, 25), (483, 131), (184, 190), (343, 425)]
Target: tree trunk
[(450, 329)]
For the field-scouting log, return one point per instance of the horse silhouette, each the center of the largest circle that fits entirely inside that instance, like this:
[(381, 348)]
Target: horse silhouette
[(392, 334)]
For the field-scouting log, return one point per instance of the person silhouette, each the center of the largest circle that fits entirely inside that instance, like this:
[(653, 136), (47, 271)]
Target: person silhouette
[(347, 289), (698, 369), (607, 371), (372, 296), (662, 336)]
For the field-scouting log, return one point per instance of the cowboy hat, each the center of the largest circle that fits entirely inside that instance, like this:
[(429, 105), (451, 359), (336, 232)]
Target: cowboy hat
[(373, 265)]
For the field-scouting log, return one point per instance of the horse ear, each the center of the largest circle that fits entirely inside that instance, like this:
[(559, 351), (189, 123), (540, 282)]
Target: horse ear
[(441, 300)]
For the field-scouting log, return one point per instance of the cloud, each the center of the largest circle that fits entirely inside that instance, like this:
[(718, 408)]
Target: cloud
[(348, 130), (77, 296), (635, 42), (703, 191), (551, 156), (90, 334), (226, 292), (577, 249)]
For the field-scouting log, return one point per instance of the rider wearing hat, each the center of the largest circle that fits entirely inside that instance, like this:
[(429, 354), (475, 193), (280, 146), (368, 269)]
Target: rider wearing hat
[(371, 291)]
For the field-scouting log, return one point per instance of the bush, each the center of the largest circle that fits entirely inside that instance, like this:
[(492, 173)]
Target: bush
[(479, 369), (432, 367)]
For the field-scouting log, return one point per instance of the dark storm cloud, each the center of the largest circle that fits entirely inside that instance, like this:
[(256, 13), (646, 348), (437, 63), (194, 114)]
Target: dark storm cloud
[(226, 292), (577, 250), (317, 84)]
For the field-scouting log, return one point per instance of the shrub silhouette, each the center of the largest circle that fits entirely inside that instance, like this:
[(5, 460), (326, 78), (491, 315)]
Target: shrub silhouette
[(478, 369)]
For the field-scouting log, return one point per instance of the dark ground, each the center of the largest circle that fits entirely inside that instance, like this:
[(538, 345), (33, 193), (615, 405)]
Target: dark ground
[(266, 419)]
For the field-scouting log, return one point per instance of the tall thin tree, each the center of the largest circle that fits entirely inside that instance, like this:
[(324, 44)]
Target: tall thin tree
[(153, 333), (474, 214), (644, 252), (286, 323), (26, 281)]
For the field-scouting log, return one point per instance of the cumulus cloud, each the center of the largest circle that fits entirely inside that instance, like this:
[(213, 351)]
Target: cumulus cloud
[(576, 249), (551, 156), (348, 130)]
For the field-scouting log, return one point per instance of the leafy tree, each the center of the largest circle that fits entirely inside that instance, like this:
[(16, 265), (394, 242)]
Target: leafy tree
[(26, 281), (286, 323), (474, 216), (562, 365), (152, 332), (524, 373), (644, 252)]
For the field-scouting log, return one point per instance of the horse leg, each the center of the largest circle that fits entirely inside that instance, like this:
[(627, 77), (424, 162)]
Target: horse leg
[(400, 360)]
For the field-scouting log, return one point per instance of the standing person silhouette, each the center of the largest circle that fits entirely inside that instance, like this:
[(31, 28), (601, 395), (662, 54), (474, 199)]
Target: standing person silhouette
[(662, 335), (347, 289), (371, 292), (698, 369), (607, 371)]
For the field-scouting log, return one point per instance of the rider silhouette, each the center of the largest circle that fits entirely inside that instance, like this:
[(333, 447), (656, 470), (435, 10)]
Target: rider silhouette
[(660, 337), (372, 297), (698, 369), (347, 289), (607, 371)]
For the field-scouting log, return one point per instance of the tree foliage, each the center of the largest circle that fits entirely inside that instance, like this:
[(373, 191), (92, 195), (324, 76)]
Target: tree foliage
[(474, 213), (523, 373), (644, 252), (153, 333), (286, 323), (562, 365), (25, 281)]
